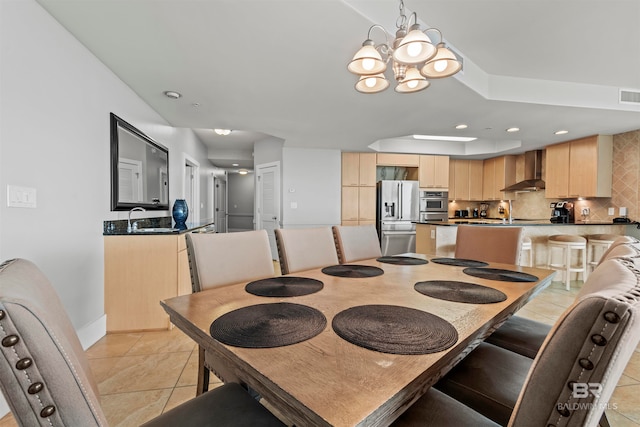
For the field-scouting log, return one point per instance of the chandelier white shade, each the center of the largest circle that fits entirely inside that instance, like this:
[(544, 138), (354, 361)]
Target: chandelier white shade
[(413, 56), (443, 64)]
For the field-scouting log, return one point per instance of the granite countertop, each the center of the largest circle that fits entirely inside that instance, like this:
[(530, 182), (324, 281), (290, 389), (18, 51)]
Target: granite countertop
[(155, 226)]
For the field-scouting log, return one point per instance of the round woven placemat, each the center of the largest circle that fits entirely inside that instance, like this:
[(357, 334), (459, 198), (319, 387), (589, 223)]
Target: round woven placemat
[(402, 260), (459, 262), (451, 290), (268, 325), (352, 270), (284, 286), (394, 329), (500, 274)]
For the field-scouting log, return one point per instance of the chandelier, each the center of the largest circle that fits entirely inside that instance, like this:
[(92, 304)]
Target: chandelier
[(413, 57)]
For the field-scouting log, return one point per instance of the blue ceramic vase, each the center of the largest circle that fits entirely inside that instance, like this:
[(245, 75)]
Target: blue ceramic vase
[(180, 213)]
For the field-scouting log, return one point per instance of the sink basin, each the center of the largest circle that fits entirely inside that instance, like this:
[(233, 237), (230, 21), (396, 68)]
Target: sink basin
[(156, 230)]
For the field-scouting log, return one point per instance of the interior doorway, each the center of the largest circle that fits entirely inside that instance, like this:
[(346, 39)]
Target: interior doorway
[(268, 201), (191, 188)]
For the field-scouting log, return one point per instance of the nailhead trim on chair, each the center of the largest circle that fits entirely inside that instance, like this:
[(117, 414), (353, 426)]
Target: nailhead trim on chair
[(12, 346), (595, 349)]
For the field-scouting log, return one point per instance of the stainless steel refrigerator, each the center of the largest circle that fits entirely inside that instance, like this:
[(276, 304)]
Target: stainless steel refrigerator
[(398, 209)]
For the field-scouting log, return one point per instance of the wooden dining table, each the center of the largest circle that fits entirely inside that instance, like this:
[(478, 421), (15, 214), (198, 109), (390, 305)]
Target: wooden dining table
[(327, 380)]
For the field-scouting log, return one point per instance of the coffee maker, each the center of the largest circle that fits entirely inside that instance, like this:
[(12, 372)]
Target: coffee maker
[(562, 212), (483, 210)]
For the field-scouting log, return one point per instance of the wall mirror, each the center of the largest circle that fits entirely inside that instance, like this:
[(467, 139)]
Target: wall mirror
[(139, 169)]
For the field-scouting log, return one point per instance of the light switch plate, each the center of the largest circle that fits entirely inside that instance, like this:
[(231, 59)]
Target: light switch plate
[(612, 211), (21, 197)]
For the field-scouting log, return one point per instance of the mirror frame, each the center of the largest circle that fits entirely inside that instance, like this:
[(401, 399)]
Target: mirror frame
[(116, 204)]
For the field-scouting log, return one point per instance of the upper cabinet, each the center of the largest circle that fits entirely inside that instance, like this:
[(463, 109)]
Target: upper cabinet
[(580, 168), (392, 159), (358, 169), (434, 172), (465, 179), (498, 173)]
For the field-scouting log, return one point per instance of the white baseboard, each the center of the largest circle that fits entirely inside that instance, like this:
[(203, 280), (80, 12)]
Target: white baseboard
[(88, 335), (91, 333)]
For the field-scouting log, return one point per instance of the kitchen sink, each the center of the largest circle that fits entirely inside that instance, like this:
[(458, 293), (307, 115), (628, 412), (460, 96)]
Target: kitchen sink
[(156, 230)]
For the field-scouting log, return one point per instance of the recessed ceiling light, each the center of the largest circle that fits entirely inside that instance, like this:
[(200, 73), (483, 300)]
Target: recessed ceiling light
[(222, 131), (235, 164), (514, 129), (172, 94), (445, 138), (461, 126), (561, 132)]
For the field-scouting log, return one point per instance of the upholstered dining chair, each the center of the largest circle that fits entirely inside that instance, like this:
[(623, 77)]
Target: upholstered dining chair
[(45, 375), (571, 380), (489, 243), (218, 259), (525, 336), (305, 248), (356, 242)]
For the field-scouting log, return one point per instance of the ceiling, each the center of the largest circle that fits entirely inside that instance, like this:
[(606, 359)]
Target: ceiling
[(277, 69)]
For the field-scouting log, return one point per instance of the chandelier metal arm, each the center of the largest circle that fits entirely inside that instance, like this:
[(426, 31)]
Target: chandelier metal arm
[(437, 31)]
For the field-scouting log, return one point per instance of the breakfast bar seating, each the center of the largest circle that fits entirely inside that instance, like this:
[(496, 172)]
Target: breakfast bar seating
[(567, 244)]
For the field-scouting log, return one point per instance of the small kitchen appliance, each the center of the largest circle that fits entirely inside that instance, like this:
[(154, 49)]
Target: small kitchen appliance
[(483, 210), (562, 212)]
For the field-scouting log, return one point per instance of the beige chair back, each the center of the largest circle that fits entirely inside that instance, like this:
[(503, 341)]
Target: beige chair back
[(356, 242), (305, 248), (590, 344), (217, 259), (44, 373), (489, 243), (620, 241)]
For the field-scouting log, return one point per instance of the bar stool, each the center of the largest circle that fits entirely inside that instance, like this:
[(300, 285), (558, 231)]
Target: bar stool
[(597, 244), (528, 247), (568, 243)]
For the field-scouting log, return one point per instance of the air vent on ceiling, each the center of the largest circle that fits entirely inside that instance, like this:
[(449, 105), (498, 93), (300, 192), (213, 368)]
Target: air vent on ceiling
[(629, 96)]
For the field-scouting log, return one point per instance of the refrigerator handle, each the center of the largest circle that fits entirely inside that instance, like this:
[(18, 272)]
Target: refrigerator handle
[(401, 200)]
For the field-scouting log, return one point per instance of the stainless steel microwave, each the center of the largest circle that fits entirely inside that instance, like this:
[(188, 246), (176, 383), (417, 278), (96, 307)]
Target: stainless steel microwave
[(434, 201)]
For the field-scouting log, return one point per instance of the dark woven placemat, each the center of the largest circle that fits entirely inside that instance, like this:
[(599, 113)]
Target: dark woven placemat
[(500, 274), (451, 290), (459, 262), (402, 260), (394, 329), (268, 325), (284, 286), (352, 270)]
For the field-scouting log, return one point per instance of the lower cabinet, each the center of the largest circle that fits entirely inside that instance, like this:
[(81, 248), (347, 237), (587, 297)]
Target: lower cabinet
[(139, 272)]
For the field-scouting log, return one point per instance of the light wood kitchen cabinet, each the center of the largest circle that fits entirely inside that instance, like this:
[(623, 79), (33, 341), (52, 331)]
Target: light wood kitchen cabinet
[(434, 172), (498, 173), (465, 179), (139, 272), (580, 168), (358, 188), (392, 159)]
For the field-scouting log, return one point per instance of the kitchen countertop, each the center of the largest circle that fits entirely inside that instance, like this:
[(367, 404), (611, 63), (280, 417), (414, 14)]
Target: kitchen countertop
[(157, 226), (519, 222)]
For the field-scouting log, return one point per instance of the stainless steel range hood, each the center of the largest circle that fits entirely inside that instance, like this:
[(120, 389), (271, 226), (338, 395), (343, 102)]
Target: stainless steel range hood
[(532, 174)]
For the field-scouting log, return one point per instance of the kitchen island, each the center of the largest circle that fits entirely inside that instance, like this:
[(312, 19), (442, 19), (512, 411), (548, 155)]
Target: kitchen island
[(439, 238)]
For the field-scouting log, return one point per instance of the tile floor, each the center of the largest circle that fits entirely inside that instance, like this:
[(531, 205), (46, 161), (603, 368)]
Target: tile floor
[(140, 375)]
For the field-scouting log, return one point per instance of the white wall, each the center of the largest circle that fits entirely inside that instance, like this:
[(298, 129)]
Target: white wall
[(54, 136), (310, 180)]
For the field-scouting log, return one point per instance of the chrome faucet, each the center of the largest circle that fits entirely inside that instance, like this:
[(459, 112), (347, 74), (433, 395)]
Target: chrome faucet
[(129, 228)]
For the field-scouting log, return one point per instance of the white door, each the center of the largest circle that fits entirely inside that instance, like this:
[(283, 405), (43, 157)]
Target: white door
[(268, 201), (192, 188), (129, 180), (220, 207)]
